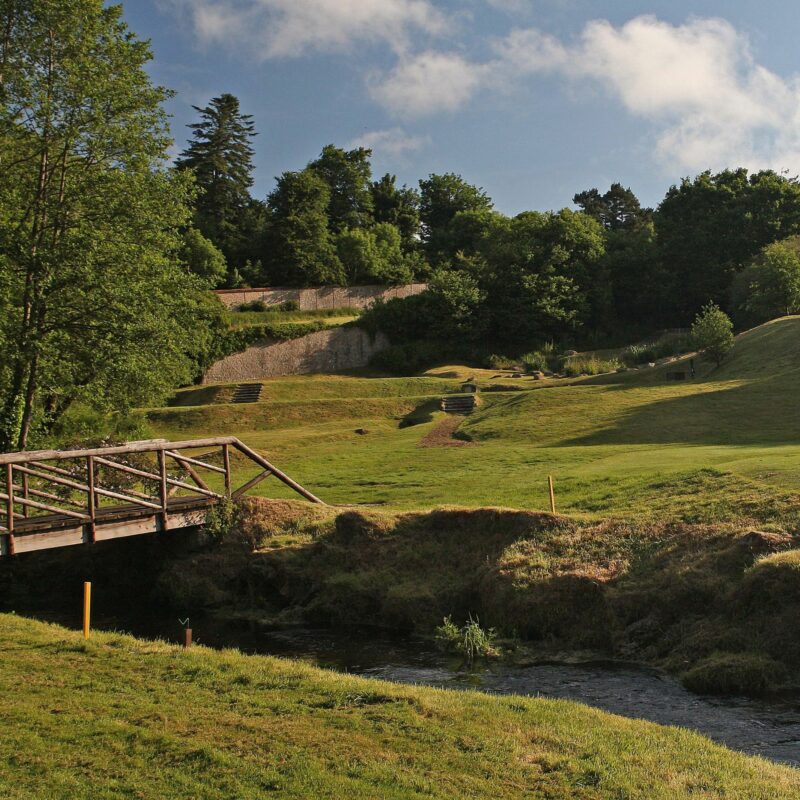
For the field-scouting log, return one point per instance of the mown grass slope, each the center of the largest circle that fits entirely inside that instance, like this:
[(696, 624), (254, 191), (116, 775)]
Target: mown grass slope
[(118, 717), (724, 446)]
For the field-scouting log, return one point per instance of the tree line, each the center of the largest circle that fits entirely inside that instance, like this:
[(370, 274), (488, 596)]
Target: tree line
[(611, 265)]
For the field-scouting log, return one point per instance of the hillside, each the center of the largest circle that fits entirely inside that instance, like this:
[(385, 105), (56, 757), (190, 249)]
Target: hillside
[(117, 716), (723, 446)]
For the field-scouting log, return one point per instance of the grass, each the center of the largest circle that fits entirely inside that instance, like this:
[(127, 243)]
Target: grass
[(118, 717), (725, 446), (336, 316)]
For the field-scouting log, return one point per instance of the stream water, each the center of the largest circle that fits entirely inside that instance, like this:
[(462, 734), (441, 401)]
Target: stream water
[(769, 729)]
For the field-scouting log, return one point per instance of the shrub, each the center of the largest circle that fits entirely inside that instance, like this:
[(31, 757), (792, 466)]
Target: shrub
[(253, 305), (712, 333), (534, 362), (735, 673), (407, 359), (471, 641), (289, 305), (500, 362), (589, 366), (220, 519), (667, 345)]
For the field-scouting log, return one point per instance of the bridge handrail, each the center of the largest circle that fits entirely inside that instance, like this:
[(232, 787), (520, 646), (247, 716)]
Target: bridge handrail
[(19, 464)]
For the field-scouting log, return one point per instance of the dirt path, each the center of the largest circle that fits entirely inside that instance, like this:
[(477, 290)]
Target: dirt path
[(442, 434)]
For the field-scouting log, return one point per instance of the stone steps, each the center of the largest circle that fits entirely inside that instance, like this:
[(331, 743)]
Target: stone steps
[(459, 403), (247, 393)]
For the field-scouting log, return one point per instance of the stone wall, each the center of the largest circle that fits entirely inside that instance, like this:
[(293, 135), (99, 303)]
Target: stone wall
[(325, 351), (326, 297)]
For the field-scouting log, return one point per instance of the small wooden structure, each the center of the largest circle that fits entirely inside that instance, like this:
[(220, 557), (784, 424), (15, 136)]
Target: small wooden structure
[(56, 498)]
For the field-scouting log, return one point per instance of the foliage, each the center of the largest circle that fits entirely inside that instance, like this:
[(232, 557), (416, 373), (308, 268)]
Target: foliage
[(203, 259), (580, 365), (709, 227), (398, 207), (735, 673), (470, 640), (348, 176), (496, 361), (374, 255), (442, 197), (220, 519), (220, 156), (253, 305), (617, 209), (97, 307), (300, 248), (663, 347), (712, 332), (770, 286)]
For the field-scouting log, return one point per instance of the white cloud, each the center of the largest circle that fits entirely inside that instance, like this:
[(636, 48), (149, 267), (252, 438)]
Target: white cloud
[(281, 28), (428, 83), (711, 104), (393, 142), (707, 102)]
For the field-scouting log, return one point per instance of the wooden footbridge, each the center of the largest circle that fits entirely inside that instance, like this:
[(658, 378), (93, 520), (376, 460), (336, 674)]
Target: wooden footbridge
[(57, 498)]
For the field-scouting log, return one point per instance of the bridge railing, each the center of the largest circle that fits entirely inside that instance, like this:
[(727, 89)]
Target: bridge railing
[(50, 487)]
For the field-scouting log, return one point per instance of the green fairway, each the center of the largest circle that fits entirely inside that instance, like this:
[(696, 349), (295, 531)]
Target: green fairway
[(725, 445), (118, 717)]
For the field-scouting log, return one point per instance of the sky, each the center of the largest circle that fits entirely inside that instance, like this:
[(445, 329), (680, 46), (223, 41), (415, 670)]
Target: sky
[(533, 100)]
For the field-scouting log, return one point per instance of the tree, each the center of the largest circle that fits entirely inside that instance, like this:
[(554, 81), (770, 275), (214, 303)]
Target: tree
[(348, 175), (375, 255), (710, 227), (770, 286), (96, 305), (712, 332), (617, 209), (220, 156), (442, 197), (399, 207), (299, 248), (202, 258)]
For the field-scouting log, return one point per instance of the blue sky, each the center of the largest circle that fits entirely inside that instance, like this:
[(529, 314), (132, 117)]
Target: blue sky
[(531, 99)]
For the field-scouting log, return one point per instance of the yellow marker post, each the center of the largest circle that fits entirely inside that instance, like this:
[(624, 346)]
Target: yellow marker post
[(552, 494), (87, 607)]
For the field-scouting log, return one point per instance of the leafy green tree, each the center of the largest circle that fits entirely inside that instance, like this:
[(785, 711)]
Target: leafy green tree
[(710, 227), (203, 258), (221, 158), (770, 286), (712, 332), (442, 197), (399, 207), (457, 301), (375, 255), (348, 175), (96, 305), (299, 248)]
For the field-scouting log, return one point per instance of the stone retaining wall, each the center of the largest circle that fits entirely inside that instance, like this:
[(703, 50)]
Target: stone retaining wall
[(325, 351), (326, 297)]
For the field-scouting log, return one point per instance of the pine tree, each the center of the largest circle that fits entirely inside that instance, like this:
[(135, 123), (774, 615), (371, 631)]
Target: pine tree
[(221, 157)]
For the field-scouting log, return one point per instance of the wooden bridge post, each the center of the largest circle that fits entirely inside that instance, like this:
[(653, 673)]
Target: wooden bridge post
[(10, 507), (91, 499), (25, 509), (226, 458), (163, 489)]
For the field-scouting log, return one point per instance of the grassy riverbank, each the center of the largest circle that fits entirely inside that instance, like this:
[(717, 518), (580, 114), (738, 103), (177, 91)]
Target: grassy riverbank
[(722, 447), (118, 717)]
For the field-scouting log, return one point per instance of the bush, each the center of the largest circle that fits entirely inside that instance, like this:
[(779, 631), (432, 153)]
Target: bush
[(735, 673), (573, 367), (665, 346), (470, 641), (407, 359), (253, 305), (289, 305), (712, 333), (534, 362), (500, 362), (220, 520)]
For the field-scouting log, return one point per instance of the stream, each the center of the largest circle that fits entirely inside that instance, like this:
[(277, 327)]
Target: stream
[(770, 729)]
